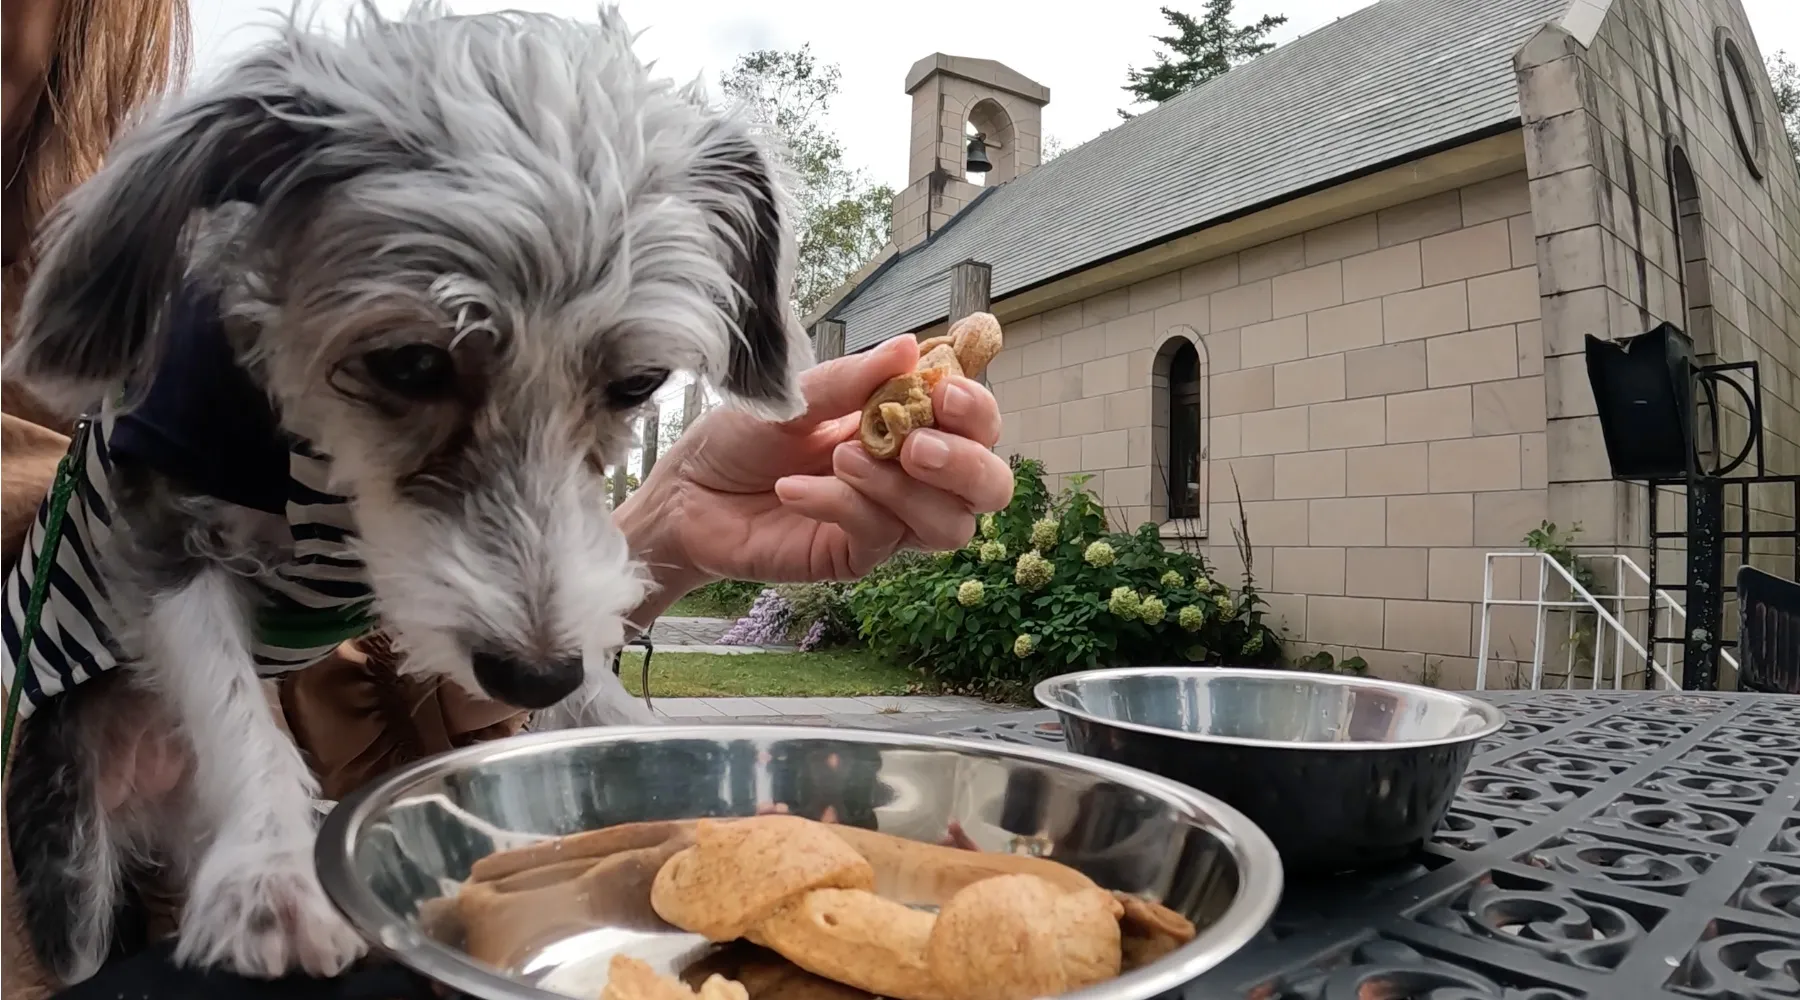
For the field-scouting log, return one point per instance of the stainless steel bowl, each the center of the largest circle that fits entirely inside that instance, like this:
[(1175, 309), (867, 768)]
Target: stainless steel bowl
[(1341, 772), (413, 837)]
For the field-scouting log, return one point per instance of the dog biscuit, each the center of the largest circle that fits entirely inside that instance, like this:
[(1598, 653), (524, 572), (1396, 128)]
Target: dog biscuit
[(837, 912), (629, 978), (1001, 933), (903, 404)]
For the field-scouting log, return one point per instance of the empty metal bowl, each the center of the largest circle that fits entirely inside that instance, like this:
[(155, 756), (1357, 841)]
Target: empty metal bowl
[(386, 853), (1341, 772)]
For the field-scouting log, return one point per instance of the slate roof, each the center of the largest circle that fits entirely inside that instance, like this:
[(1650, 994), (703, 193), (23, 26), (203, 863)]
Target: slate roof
[(1384, 84)]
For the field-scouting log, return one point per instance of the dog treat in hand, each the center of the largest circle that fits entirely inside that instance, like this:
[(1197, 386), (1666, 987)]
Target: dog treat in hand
[(630, 978), (903, 404)]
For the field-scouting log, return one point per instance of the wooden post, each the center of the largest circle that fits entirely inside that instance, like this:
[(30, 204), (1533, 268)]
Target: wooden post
[(970, 283), (690, 405), (828, 339), (652, 441)]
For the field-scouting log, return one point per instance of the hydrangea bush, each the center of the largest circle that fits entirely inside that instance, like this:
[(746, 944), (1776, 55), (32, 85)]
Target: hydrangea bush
[(1071, 595)]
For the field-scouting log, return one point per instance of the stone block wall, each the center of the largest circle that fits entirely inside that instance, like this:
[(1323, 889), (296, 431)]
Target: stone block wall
[(1622, 246), (1375, 390)]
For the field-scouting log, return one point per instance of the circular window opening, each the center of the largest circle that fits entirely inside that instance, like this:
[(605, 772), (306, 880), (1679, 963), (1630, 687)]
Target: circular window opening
[(1745, 111)]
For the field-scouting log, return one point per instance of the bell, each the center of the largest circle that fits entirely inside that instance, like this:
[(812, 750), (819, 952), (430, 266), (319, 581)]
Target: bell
[(978, 160)]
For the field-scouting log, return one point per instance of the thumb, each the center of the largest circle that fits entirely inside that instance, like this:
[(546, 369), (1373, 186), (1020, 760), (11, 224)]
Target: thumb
[(842, 385)]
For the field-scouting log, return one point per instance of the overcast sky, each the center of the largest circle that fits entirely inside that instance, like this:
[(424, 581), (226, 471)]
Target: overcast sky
[(1079, 51)]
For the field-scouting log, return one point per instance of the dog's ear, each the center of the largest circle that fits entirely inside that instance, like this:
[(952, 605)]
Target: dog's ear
[(113, 253), (737, 186)]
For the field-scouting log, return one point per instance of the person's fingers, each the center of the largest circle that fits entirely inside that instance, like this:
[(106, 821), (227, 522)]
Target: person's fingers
[(939, 520), (868, 532), (843, 385), (964, 406), (958, 466)]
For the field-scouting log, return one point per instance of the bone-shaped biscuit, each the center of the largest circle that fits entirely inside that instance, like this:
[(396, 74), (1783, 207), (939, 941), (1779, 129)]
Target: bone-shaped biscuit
[(835, 900), (803, 891), (903, 404)]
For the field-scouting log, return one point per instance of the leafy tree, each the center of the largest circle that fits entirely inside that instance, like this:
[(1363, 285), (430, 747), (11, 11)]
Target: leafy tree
[(1786, 78), (842, 217), (1201, 48)]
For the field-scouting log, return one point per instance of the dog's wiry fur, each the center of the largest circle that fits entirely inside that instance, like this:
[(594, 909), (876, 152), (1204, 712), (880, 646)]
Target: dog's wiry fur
[(514, 188)]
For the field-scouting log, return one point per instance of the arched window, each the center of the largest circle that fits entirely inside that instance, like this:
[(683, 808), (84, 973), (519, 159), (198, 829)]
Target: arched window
[(1178, 422), (1694, 274), (1691, 268)]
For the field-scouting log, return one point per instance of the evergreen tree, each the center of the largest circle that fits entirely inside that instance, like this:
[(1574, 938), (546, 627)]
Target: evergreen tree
[(1200, 49)]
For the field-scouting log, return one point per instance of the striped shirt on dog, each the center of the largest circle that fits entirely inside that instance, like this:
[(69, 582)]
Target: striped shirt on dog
[(208, 427)]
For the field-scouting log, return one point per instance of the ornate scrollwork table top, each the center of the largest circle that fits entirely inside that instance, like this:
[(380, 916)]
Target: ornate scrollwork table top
[(1603, 846)]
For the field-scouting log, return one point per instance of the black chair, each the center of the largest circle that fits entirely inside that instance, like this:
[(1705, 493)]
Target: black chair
[(1769, 636)]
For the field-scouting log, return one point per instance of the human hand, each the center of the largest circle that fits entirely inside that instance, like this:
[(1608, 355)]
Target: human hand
[(802, 501)]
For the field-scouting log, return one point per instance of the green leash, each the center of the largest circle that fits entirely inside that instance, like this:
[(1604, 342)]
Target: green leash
[(60, 491)]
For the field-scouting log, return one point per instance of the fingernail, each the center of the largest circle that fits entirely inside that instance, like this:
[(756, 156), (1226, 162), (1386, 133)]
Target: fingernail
[(930, 451), (958, 400), (791, 489), (852, 459)]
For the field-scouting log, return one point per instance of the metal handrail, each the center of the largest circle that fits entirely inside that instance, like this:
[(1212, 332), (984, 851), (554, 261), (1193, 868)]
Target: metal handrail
[(1581, 599), (1626, 562)]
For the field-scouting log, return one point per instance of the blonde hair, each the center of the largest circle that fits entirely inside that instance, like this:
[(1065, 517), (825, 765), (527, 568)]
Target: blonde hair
[(111, 58)]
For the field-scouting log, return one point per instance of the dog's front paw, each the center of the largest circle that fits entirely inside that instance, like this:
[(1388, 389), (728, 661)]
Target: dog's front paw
[(265, 918)]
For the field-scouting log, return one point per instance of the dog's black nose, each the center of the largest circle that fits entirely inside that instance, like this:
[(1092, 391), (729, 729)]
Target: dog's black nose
[(526, 683)]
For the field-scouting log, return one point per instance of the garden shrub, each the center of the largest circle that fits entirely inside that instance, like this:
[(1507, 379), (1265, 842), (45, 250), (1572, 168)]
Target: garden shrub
[(725, 598), (809, 615), (1045, 588), (766, 623), (821, 614)]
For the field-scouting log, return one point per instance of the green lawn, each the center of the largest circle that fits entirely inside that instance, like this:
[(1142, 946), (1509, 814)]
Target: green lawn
[(834, 674)]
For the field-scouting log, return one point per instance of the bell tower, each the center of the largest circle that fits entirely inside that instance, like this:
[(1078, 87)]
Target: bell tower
[(963, 106)]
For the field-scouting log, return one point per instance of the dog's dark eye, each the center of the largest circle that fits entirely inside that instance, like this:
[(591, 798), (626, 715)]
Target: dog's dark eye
[(416, 371), (634, 389)]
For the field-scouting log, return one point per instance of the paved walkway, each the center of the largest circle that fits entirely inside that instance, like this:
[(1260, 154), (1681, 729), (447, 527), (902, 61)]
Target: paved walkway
[(701, 635), (855, 713)]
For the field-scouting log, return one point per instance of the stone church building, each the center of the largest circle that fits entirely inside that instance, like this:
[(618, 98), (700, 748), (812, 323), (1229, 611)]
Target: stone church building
[(1350, 281)]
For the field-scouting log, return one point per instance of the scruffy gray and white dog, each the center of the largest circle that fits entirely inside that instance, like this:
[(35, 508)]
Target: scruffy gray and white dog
[(362, 322)]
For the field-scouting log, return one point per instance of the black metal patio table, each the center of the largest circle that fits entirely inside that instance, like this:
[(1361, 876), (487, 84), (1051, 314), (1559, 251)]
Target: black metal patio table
[(1604, 845)]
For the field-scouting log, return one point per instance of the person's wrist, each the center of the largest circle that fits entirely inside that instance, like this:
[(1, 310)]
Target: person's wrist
[(650, 521)]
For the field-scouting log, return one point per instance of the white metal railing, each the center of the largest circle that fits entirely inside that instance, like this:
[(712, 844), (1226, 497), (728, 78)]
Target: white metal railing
[(1654, 600), (1663, 599)]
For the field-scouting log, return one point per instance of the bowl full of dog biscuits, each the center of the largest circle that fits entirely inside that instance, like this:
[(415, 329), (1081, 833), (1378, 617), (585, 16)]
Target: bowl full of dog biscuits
[(766, 863)]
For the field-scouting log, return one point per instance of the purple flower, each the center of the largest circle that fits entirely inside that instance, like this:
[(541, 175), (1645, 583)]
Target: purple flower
[(765, 625), (814, 636)]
